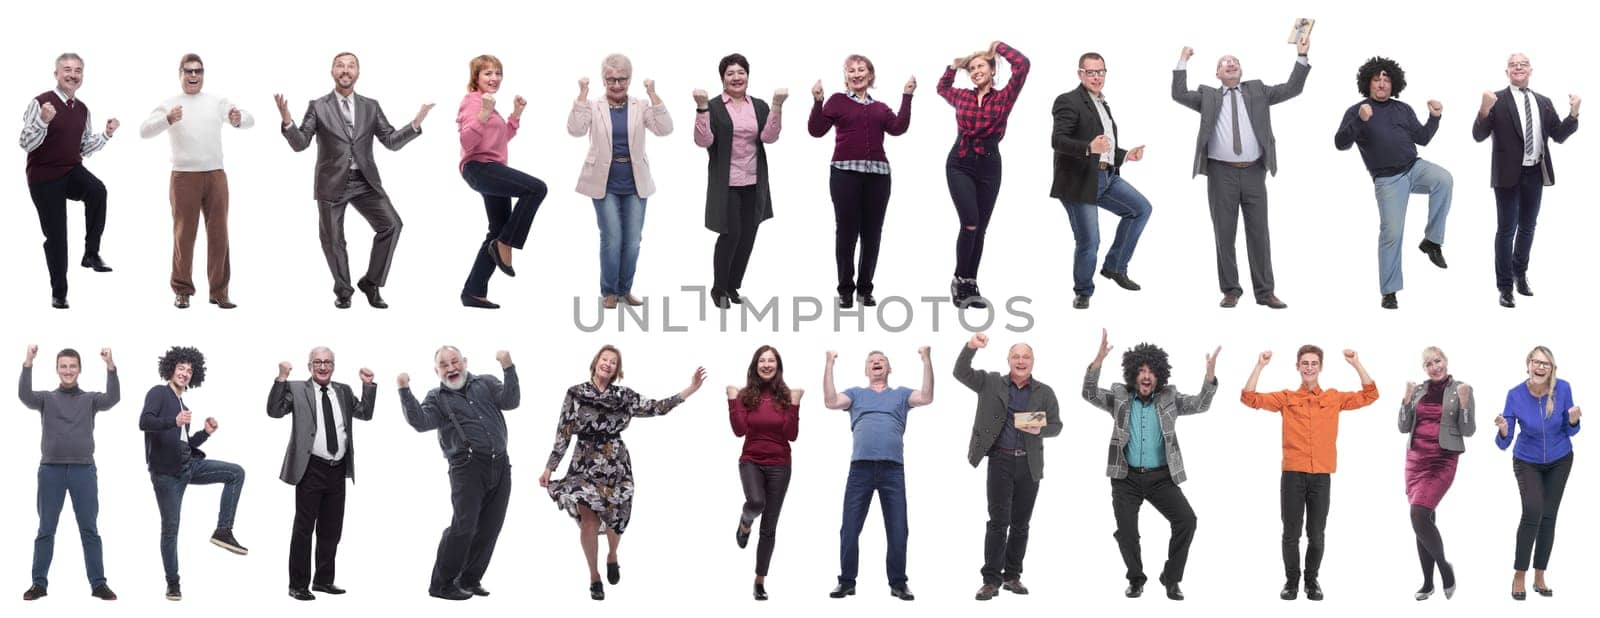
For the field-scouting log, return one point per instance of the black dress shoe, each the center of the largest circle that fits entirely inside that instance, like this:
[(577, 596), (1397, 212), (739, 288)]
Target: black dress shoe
[(1522, 286), (58, 302), (719, 299), (301, 594), (1173, 591), (903, 592), (467, 300), (1434, 251), (342, 302), (223, 303), (94, 262), (373, 298), (1229, 301), (845, 302), (1080, 302), (1272, 302), (842, 590), (735, 298), (597, 591), (327, 589), (1291, 590), (1134, 591), (450, 594), (742, 534), (1015, 586), (103, 592), (1507, 300), (493, 248), (1390, 302), (34, 592), (986, 592), (1313, 590), (476, 590), (1121, 279), (1543, 591), (867, 300), (760, 592), (613, 573)]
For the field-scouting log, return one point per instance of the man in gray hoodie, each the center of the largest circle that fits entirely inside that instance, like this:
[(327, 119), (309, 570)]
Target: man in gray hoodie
[(66, 465)]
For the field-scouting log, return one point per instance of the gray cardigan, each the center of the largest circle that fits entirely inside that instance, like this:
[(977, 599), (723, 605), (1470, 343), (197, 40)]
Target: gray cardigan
[(67, 418), (1455, 421), (994, 411), (1169, 403)]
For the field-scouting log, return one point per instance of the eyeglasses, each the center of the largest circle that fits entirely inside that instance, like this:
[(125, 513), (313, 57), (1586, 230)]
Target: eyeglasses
[(322, 363), (1093, 72), (199, 71), (617, 81), (1518, 65), (1541, 364)]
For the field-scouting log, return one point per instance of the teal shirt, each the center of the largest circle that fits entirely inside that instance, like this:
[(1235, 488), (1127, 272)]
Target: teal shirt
[(1145, 449)]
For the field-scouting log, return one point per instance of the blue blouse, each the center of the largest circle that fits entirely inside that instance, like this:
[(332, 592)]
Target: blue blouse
[(1543, 439)]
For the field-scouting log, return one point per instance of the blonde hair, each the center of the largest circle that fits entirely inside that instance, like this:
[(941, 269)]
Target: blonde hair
[(1550, 397), (872, 72), (593, 364), (477, 66)]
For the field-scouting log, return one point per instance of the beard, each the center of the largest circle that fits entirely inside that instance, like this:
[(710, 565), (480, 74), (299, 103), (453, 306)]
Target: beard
[(456, 384)]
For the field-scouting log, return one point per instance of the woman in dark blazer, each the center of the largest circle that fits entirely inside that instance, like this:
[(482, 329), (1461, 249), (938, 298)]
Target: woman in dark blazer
[(1438, 416)]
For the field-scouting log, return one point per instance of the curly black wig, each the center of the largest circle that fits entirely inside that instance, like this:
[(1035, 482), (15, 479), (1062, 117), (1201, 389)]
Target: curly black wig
[(1376, 65), (183, 354), (1142, 355)]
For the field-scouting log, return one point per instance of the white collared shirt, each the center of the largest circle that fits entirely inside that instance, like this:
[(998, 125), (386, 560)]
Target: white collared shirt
[(1519, 98), (319, 442)]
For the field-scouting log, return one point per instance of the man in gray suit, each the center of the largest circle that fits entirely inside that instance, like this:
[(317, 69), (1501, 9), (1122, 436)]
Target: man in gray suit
[(1236, 150), (344, 125), (321, 455)]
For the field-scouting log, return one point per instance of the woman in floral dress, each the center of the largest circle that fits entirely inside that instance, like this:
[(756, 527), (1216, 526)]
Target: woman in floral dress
[(598, 488)]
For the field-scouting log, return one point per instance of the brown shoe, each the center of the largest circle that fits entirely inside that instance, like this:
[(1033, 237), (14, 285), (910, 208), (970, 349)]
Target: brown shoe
[(1230, 301), (223, 303), (1015, 586), (610, 301), (181, 302), (987, 592), (632, 300), (1272, 301)]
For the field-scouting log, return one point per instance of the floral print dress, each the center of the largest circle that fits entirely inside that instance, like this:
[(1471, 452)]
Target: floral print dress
[(600, 475)]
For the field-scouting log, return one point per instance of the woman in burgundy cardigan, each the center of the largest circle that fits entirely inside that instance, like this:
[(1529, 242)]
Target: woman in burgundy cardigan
[(766, 413), (859, 180)]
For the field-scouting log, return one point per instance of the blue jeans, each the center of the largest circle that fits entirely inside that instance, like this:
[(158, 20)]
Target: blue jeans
[(621, 221), (55, 482), (889, 480), (169, 498), (1119, 198), (1393, 192)]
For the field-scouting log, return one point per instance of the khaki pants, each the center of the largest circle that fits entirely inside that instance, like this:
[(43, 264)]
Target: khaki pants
[(197, 196)]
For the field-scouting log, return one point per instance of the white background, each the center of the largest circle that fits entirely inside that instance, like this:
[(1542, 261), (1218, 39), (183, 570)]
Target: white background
[(679, 548)]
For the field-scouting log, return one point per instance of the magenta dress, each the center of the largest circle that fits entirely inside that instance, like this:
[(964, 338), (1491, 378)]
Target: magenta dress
[(1429, 469)]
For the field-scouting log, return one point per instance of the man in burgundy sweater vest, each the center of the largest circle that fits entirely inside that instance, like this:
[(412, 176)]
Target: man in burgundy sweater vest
[(57, 135)]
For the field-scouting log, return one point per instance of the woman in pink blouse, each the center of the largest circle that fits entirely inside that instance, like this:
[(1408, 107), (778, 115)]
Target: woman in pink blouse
[(766, 413), (484, 138)]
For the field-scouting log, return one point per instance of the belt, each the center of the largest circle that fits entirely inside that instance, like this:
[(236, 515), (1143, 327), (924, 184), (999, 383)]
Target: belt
[(1137, 470), (599, 437), (1014, 452), (329, 462), (621, 159), (1104, 165), (355, 174), (1244, 165)]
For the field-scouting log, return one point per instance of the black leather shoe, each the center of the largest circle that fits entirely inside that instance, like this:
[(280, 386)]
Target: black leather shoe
[(719, 299), (845, 302), (613, 573), (842, 590), (735, 298), (742, 535), (597, 591), (476, 590), (373, 298), (903, 592), (34, 592), (1015, 586), (1134, 591), (1522, 286), (103, 592), (59, 302), (1080, 302), (1313, 590), (342, 302), (181, 301), (867, 300), (301, 594), (1272, 302), (1174, 592), (94, 262), (450, 594), (466, 301), (1434, 251), (760, 592), (493, 249), (327, 589), (174, 591), (1390, 302), (1229, 301), (223, 303), (1121, 279), (1507, 300), (1291, 590)]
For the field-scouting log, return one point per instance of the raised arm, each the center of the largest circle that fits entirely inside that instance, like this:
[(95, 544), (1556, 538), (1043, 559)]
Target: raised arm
[(1422, 133), (924, 396), (1562, 129), (301, 136), (1369, 389), (791, 415), (424, 416), (1290, 89), (964, 372), (30, 399), (770, 133), (280, 398), (1092, 393), (900, 122), (656, 119), (507, 395), (832, 399), (1466, 419), (1197, 404), (818, 123), (1020, 66), (1180, 82), (1271, 402)]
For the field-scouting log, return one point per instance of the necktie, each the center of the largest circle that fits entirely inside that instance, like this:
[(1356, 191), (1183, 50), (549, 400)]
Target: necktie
[(328, 426), (1238, 141), (1527, 125), (349, 116)]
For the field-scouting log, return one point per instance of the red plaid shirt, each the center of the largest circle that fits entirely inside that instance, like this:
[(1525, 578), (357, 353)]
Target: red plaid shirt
[(976, 122)]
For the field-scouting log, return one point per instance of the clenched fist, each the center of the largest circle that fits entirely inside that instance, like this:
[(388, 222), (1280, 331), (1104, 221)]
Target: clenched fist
[(366, 375), (978, 342), (1365, 112), (175, 114), (404, 380)]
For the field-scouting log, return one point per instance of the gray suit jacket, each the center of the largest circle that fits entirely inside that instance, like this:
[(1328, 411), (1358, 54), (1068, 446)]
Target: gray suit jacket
[(994, 410), (1170, 404), (295, 397), (1456, 422), (1258, 101), (336, 145)]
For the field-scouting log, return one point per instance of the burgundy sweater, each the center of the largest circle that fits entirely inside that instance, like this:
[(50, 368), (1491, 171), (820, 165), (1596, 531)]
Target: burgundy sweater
[(858, 129), (767, 431), (62, 147)]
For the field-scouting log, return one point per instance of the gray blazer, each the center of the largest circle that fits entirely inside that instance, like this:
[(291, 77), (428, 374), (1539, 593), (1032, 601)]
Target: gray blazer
[(994, 411), (295, 396), (1258, 99), (1170, 404), (1455, 422), (336, 145)]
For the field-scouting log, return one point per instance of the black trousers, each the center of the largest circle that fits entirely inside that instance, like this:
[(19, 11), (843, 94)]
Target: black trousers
[(860, 200), (1541, 486), (50, 199), (1516, 214), (1304, 499), (740, 220), (319, 512), (480, 488), (1012, 492), (974, 186), (764, 490), (1128, 494)]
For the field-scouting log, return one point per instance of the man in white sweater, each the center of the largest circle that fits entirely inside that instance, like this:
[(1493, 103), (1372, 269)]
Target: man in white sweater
[(199, 186)]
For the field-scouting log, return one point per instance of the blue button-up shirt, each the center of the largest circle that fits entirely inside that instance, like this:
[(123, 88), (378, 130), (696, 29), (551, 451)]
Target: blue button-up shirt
[(1145, 449)]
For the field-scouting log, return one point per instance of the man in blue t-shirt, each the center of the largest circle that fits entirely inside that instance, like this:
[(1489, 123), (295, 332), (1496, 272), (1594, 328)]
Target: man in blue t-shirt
[(877, 463)]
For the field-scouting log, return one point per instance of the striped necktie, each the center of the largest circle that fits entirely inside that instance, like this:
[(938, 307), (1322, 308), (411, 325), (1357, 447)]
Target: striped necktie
[(1527, 124)]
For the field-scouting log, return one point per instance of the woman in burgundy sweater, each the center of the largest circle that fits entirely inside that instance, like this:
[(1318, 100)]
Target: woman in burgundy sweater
[(859, 180), (766, 413)]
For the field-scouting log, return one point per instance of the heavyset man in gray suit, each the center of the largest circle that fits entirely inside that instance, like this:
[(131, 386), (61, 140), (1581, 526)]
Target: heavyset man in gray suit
[(1236, 150), (321, 455), (344, 125)]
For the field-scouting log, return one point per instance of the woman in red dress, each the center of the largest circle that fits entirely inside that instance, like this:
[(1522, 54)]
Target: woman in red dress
[(1438, 416)]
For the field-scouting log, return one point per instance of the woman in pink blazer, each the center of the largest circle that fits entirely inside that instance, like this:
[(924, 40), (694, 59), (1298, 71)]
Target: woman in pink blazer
[(616, 173)]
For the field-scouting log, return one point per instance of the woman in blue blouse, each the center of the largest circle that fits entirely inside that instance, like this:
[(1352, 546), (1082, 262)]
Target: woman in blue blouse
[(1542, 409)]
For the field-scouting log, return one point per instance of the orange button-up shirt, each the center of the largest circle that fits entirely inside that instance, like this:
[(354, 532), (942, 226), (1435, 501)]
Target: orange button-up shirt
[(1310, 423)]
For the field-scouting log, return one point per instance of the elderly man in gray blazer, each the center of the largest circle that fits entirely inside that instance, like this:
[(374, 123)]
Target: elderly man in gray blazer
[(1007, 429), (344, 124), (321, 455), (1236, 150), (1145, 462)]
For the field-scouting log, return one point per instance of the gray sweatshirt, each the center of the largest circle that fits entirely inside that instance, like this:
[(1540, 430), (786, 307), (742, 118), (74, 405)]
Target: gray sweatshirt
[(67, 418)]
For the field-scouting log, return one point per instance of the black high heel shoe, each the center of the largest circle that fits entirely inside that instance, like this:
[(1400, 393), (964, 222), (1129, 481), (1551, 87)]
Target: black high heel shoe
[(760, 592), (1543, 591)]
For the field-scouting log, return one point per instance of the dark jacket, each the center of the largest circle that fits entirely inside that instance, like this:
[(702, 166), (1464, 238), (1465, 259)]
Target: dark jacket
[(164, 440), (1169, 404), (721, 157), (469, 420), (1505, 124), (296, 397), (1258, 101), (1076, 124), (994, 411), (337, 145)]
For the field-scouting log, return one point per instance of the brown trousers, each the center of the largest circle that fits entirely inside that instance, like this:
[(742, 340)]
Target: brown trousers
[(196, 196)]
